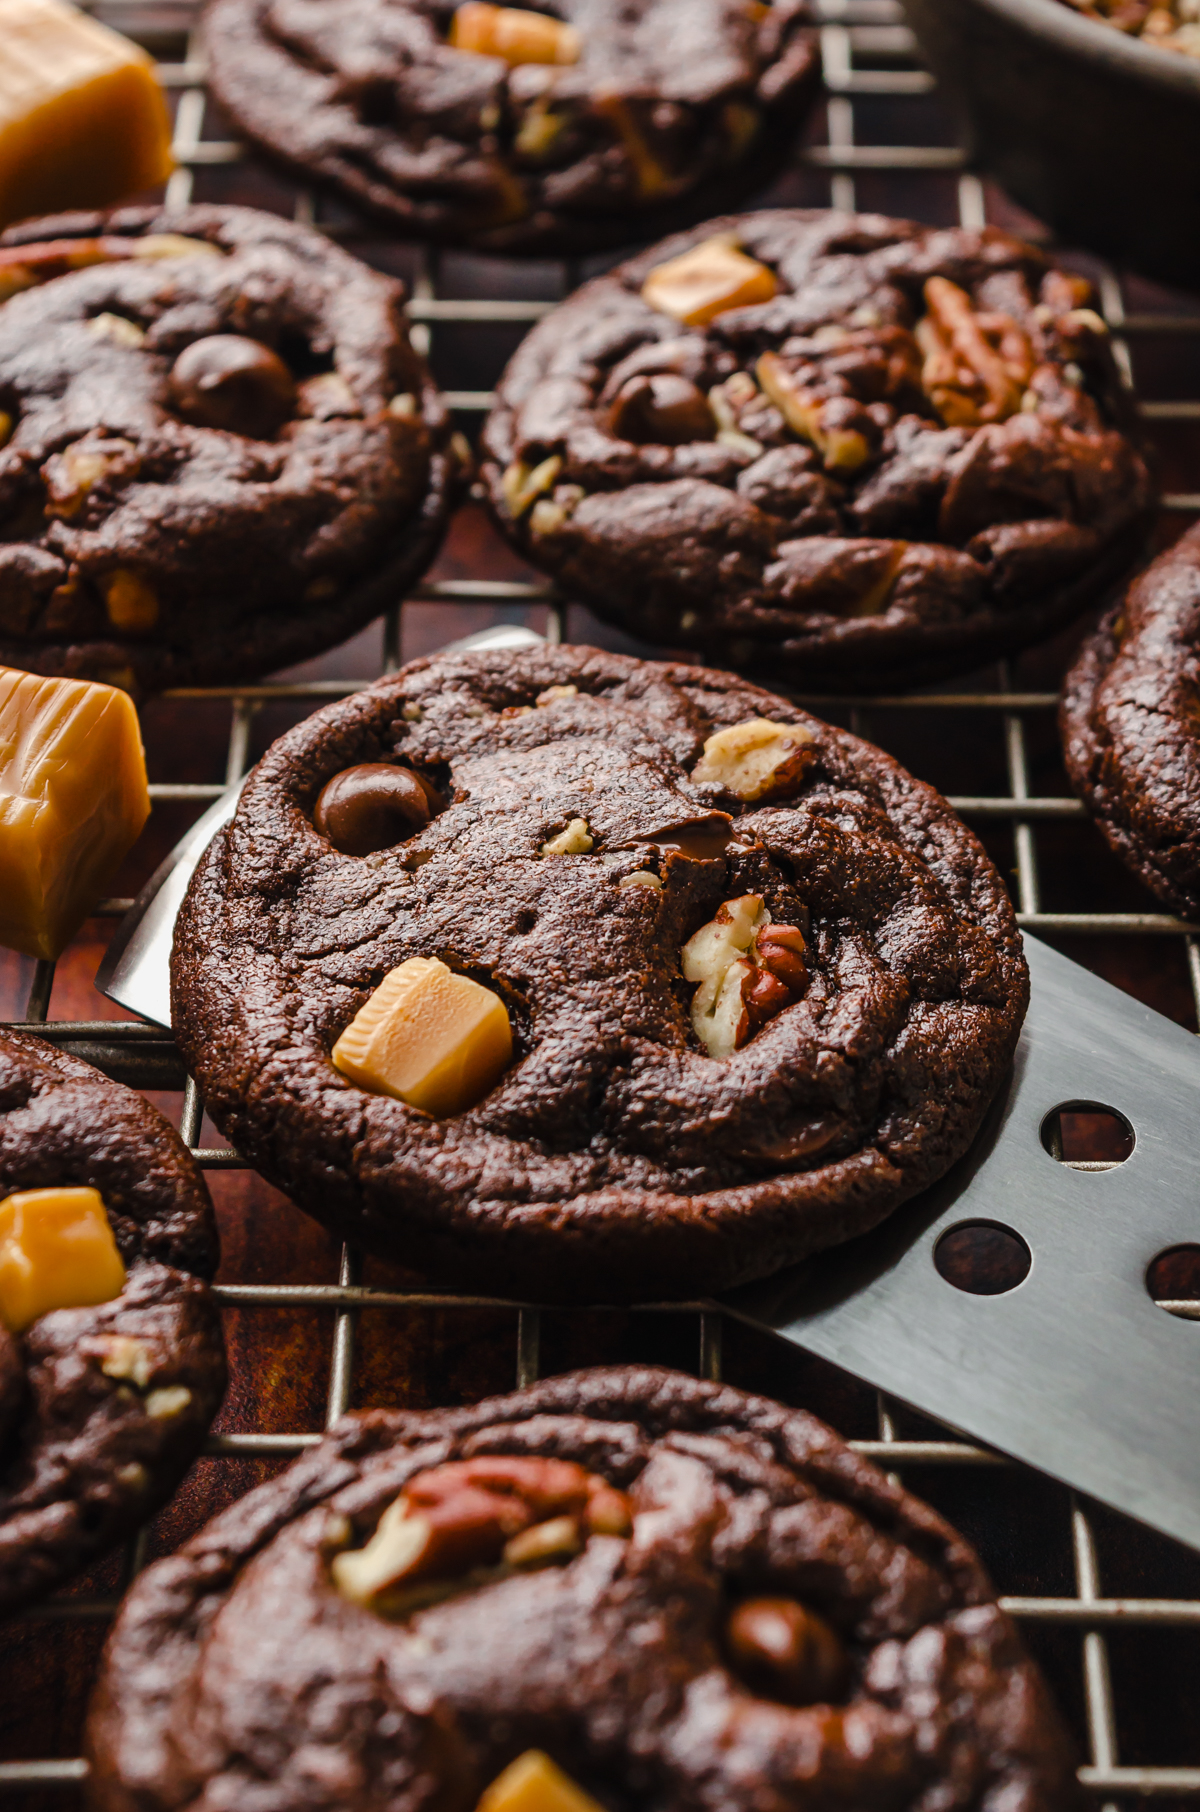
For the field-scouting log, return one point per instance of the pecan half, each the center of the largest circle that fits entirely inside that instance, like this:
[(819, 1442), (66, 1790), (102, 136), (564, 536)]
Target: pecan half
[(493, 1511), (747, 970)]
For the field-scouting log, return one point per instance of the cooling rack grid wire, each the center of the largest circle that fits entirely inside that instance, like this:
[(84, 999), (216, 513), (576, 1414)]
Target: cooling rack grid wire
[(868, 53)]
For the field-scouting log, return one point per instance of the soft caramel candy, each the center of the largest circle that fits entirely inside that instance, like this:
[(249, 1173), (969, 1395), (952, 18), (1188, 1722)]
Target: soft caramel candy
[(701, 284), (755, 760), (56, 1252), (73, 798), (82, 120), (429, 1037), (514, 33), (534, 1784)]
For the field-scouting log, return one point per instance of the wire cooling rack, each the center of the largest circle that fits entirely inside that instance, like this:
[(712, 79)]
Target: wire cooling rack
[(868, 57)]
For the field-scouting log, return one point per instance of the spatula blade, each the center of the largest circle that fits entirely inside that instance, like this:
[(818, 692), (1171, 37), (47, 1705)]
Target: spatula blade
[(1075, 1371)]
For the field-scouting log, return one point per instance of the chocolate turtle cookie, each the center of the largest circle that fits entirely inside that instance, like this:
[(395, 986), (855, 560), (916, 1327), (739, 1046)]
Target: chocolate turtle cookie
[(112, 1363), (218, 451), (834, 449), (680, 1595), (575, 976), (574, 125), (1129, 718)]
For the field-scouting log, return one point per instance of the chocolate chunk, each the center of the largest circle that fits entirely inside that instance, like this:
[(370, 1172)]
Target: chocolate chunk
[(665, 409), (370, 807), (227, 381), (784, 1651)]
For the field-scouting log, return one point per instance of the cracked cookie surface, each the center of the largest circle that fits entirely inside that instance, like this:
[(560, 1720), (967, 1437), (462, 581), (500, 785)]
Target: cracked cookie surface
[(667, 109), (164, 520), (909, 458), (1129, 714), (102, 1409), (615, 1158), (238, 1670)]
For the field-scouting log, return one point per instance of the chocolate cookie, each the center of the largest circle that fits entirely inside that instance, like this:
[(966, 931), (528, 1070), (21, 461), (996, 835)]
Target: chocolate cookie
[(687, 1596), (582, 124), (760, 984), (834, 449), (102, 1407), (1129, 716), (218, 451)]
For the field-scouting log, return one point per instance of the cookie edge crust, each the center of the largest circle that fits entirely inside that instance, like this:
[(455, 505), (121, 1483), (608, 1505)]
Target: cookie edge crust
[(1085, 748)]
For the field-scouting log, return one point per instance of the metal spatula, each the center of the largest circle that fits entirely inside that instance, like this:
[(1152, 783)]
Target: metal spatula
[(1076, 1370)]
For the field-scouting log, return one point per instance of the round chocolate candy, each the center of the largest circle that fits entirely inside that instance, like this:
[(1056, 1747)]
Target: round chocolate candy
[(784, 1651), (664, 409), (228, 381), (373, 806)]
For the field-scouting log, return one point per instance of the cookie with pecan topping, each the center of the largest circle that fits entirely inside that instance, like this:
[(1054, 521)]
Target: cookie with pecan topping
[(106, 1396), (671, 985), (746, 1615), (1129, 716), (830, 448), (218, 451), (580, 124)]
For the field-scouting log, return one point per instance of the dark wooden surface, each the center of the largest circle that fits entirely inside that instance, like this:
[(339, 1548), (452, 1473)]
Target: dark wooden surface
[(280, 1357)]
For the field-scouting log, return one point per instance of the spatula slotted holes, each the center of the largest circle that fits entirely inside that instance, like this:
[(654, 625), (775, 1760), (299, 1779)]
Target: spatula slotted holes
[(1173, 1281), (982, 1258), (1086, 1135)]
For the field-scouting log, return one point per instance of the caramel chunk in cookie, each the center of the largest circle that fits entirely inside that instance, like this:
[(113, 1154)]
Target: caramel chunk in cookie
[(57, 1251), (437, 1040), (533, 1783), (514, 34), (701, 284)]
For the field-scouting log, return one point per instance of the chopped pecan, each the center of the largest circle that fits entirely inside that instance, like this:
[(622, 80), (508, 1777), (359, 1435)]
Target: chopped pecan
[(976, 364), (838, 426)]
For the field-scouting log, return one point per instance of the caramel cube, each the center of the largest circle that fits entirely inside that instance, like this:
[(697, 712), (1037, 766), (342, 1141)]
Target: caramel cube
[(83, 121), (513, 33), (533, 1783), (701, 284), (57, 1251), (73, 798), (427, 1036)]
